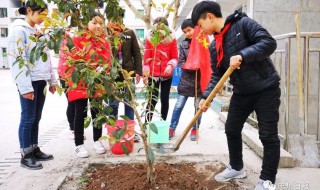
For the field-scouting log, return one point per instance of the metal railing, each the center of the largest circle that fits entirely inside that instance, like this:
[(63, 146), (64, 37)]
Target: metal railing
[(285, 61)]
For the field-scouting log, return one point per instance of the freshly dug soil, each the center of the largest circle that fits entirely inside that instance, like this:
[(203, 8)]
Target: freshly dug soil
[(168, 176)]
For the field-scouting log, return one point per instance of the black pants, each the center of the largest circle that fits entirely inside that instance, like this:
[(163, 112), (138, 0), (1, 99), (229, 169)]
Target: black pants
[(266, 105), (164, 87), (70, 109), (78, 123)]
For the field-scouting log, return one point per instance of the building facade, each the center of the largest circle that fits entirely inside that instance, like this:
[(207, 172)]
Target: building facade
[(8, 13)]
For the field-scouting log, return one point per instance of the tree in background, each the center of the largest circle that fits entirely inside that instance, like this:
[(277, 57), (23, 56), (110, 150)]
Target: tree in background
[(166, 9)]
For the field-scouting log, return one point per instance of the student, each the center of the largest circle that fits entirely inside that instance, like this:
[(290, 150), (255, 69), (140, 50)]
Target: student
[(186, 87), (241, 43), (160, 69), (93, 35), (31, 80), (129, 55)]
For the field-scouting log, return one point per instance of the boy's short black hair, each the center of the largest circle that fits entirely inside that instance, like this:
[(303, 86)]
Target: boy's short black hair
[(204, 7), (187, 23)]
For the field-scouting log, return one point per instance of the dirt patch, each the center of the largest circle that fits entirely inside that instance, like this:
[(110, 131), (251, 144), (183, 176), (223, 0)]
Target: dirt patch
[(169, 176)]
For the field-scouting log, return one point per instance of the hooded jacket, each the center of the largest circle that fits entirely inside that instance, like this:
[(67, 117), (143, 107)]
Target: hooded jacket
[(187, 81), (19, 38), (249, 39), (166, 54)]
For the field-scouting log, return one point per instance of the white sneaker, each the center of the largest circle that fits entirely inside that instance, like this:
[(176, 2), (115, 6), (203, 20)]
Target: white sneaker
[(81, 152), (265, 185), (98, 147), (229, 174)]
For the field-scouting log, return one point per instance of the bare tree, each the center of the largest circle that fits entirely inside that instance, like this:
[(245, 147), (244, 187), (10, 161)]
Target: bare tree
[(147, 17)]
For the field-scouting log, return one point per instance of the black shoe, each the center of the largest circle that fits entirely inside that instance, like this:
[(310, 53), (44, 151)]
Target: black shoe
[(136, 138), (29, 162), (41, 156)]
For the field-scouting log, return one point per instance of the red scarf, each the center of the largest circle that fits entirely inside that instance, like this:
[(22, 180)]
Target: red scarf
[(219, 45)]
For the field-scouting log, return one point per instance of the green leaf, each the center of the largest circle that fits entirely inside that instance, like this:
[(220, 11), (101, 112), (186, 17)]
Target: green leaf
[(118, 134), (21, 63), (44, 57), (111, 121), (87, 122), (51, 44), (140, 150), (153, 128), (151, 155), (70, 44), (125, 149), (57, 45), (59, 89), (125, 117), (38, 53), (32, 38), (74, 76), (107, 110)]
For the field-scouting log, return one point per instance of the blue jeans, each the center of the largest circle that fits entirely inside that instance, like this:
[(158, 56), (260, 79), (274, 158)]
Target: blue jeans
[(181, 101), (31, 111)]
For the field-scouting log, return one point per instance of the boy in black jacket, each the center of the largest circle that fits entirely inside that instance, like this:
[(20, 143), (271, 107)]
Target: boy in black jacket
[(243, 44)]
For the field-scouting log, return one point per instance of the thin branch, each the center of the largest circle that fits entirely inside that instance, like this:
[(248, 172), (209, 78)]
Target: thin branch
[(170, 5), (143, 4)]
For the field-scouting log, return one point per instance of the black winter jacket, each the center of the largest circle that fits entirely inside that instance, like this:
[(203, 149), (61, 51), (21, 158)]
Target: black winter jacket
[(187, 83), (249, 39)]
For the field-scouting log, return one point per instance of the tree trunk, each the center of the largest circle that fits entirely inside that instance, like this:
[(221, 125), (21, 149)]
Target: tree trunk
[(175, 17), (147, 17)]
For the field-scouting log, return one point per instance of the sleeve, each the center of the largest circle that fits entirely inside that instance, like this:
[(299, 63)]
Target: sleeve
[(182, 56), (19, 71), (147, 59), (174, 54), (137, 59), (263, 44), (53, 80)]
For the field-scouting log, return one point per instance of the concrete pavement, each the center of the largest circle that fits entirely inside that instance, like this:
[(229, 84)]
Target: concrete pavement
[(54, 138)]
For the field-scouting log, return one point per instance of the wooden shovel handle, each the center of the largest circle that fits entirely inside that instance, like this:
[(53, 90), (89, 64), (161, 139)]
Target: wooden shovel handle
[(206, 102)]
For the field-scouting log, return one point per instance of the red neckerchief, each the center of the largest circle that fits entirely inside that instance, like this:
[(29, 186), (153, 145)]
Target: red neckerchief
[(219, 46)]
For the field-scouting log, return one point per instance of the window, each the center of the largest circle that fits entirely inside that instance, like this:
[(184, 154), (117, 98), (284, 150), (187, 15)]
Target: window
[(3, 12), (140, 11), (140, 33), (4, 32)]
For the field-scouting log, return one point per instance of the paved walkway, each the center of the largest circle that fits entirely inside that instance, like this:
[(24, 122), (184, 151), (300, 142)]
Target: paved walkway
[(54, 138)]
